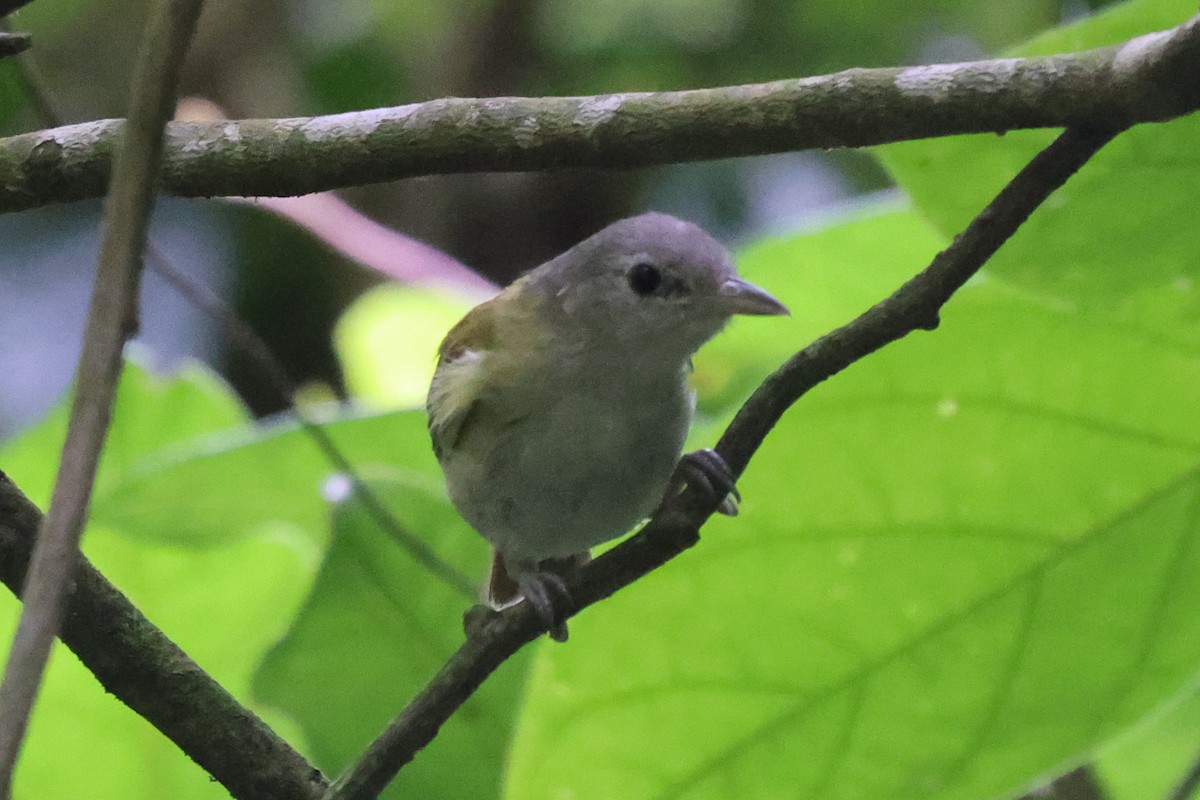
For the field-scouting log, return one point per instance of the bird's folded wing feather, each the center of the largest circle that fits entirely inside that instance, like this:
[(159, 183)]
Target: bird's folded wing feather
[(453, 397), (460, 377)]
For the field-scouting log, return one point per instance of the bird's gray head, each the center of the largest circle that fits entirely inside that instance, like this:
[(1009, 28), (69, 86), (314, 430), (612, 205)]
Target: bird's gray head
[(650, 282)]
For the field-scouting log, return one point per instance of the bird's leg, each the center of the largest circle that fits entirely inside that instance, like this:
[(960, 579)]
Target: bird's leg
[(540, 583), (547, 592), (706, 470)]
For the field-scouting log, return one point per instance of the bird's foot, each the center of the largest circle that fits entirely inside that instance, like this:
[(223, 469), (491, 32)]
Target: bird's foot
[(547, 592), (541, 583), (706, 470)]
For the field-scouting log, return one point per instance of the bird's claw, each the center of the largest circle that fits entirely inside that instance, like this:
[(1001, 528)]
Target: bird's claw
[(706, 470), (548, 595)]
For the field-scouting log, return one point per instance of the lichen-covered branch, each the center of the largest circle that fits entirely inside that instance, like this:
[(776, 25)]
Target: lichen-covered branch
[(145, 670), (1146, 79)]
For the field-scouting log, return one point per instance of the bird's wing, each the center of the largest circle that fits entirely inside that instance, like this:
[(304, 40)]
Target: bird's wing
[(460, 376)]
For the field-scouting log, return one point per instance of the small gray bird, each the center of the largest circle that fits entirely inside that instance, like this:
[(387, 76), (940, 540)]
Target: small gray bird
[(559, 408)]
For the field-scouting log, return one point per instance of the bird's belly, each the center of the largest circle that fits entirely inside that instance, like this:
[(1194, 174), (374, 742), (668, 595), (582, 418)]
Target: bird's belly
[(562, 481)]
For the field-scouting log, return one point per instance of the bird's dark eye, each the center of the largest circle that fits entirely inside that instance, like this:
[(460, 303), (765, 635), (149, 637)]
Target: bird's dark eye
[(644, 278)]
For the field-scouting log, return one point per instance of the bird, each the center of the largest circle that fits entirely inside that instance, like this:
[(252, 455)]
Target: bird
[(559, 408)]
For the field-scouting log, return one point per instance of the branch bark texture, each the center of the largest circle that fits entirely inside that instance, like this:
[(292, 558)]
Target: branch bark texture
[(1149, 78), (111, 320), (494, 637), (145, 670)]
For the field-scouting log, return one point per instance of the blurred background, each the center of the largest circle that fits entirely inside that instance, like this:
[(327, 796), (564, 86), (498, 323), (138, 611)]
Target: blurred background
[(270, 58)]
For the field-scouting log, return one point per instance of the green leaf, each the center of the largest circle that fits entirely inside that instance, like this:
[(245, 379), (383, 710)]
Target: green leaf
[(966, 561), (1152, 759), (820, 278), (1126, 221), (153, 416), (83, 742), (181, 464), (387, 342), (253, 584), (267, 477), (374, 631)]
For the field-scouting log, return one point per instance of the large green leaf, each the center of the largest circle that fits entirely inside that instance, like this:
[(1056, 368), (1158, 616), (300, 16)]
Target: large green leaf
[(1127, 220), (963, 563), (153, 415), (1151, 760), (387, 342), (820, 278), (270, 476), (181, 463), (83, 742), (375, 629)]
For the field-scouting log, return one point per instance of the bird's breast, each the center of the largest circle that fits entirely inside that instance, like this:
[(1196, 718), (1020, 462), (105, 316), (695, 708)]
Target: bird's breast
[(585, 463)]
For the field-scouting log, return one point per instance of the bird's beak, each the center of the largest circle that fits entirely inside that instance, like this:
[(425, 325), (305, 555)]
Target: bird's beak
[(740, 297)]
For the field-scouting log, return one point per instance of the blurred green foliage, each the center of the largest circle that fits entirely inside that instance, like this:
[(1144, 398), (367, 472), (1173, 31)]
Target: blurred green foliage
[(967, 563), (264, 58)]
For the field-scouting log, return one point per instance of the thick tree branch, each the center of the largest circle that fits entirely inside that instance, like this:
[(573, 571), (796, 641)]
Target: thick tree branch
[(111, 319), (494, 637), (145, 670), (1146, 79)]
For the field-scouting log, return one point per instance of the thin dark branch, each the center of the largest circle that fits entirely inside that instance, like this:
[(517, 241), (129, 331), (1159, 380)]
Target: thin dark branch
[(141, 667), (916, 304), (247, 340), (1149, 78), (494, 637), (1080, 783), (1186, 788), (111, 319)]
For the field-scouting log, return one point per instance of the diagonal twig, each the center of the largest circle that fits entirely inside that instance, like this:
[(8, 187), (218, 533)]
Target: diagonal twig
[(494, 637), (111, 319)]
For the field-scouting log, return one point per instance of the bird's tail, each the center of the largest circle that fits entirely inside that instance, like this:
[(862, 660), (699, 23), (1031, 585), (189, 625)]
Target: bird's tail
[(500, 590)]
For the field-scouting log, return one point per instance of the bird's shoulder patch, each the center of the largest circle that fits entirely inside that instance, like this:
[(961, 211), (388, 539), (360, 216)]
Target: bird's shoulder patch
[(474, 332), (454, 397), (460, 376), (487, 354)]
